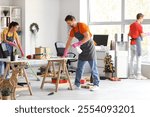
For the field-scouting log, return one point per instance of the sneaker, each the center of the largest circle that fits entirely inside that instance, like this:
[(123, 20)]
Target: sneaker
[(74, 87), (132, 76), (140, 77), (94, 88)]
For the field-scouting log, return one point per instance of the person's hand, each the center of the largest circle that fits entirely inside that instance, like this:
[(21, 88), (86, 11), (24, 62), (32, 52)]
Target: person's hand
[(12, 44), (65, 53), (77, 44), (22, 53)]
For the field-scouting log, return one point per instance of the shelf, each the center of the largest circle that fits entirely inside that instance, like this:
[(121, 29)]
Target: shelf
[(13, 13), (16, 17), (4, 16)]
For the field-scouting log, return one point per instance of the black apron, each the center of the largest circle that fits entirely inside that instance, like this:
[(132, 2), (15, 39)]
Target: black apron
[(9, 51), (88, 48)]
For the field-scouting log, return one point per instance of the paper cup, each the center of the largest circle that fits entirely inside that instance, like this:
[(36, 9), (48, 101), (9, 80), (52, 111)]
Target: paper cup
[(16, 57), (8, 58)]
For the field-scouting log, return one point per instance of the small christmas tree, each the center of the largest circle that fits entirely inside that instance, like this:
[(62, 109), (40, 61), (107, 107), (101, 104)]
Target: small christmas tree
[(109, 68)]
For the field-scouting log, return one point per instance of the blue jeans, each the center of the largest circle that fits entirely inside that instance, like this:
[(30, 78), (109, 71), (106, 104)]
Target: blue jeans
[(138, 46), (80, 70), (1, 68), (10, 50), (136, 51)]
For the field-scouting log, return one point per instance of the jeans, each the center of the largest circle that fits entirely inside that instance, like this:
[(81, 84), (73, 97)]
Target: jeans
[(10, 50), (136, 52), (80, 70), (1, 68)]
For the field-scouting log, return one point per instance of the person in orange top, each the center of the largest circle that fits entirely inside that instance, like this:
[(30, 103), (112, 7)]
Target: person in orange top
[(136, 33), (82, 32)]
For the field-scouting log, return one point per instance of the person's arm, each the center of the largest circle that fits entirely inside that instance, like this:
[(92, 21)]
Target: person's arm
[(4, 38), (69, 42), (143, 35), (86, 38), (9, 42), (19, 45), (67, 46)]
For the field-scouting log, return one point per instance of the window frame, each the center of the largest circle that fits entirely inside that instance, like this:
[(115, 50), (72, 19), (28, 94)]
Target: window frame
[(122, 23)]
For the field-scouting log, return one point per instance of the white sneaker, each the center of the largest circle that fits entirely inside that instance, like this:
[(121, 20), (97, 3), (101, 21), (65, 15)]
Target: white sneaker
[(94, 88), (74, 87), (140, 77), (132, 76)]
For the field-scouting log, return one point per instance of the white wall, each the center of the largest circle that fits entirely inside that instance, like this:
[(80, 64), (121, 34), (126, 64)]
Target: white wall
[(21, 3), (46, 14), (67, 7), (5, 2)]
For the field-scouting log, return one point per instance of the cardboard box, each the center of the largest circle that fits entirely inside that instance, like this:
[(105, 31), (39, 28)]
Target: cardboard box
[(42, 53)]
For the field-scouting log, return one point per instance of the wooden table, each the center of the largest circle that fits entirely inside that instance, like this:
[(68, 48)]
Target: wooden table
[(21, 64), (61, 66)]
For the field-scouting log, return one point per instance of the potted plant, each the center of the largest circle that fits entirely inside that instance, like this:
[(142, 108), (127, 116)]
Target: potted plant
[(109, 69), (5, 12), (5, 92)]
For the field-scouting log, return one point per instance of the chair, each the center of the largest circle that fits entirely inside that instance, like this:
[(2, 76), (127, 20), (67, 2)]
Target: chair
[(60, 47)]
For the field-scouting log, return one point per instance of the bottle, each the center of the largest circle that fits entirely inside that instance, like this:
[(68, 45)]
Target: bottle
[(79, 50)]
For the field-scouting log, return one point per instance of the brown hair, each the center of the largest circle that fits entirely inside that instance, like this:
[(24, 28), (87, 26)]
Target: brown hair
[(69, 18), (139, 15)]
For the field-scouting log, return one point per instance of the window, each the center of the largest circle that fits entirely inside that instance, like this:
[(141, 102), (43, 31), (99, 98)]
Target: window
[(99, 10), (133, 7), (113, 16)]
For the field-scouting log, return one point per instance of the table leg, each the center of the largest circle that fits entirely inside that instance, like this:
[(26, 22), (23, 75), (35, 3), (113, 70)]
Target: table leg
[(45, 75), (58, 76), (67, 74), (6, 70), (53, 67), (33, 72), (26, 78)]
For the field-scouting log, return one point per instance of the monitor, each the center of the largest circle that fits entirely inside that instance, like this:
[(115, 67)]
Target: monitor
[(100, 40)]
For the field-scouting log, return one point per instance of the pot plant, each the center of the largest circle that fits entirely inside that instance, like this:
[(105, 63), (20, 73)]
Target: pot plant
[(6, 92), (5, 12), (109, 69)]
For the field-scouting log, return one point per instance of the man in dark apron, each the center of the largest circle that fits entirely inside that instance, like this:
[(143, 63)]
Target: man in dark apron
[(88, 54)]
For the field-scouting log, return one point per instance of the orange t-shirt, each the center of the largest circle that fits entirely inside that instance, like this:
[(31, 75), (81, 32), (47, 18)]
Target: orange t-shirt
[(81, 27)]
